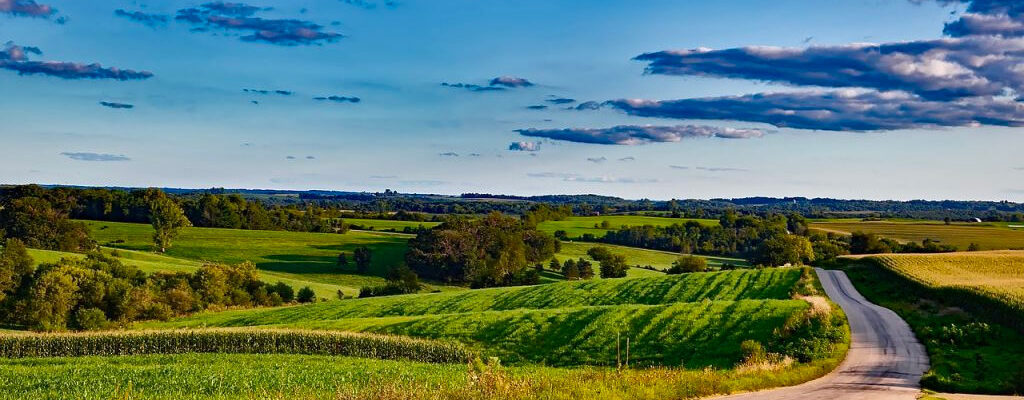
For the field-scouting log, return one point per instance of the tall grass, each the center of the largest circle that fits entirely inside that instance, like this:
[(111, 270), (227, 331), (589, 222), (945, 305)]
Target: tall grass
[(259, 341)]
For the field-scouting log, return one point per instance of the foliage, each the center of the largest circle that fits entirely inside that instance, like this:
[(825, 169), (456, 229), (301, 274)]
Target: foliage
[(15, 266), (306, 295), (167, 220), (785, 249), (362, 256), (687, 264), (38, 224), (614, 266), (491, 251), (258, 341)]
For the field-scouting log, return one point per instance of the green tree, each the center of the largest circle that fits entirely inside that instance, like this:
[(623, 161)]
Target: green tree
[(785, 249), (614, 267), (306, 295), (405, 279), (362, 256), (15, 266), (599, 253), (687, 264), (554, 265), (342, 260), (586, 268), (167, 219), (570, 270)]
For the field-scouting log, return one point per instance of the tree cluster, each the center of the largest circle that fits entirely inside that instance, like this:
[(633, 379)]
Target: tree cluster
[(495, 250), (99, 291)]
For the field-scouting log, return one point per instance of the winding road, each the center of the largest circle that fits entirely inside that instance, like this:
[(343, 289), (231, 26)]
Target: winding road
[(885, 360)]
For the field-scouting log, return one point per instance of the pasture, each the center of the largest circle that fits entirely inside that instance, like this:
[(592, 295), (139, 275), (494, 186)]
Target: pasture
[(577, 226), (990, 236)]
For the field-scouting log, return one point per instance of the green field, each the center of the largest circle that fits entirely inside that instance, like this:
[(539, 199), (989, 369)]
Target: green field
[(670, 319), (300, 256), (990, 236), (577, 226), (302, 377), (995, 274), (636, 256), (388, 225)]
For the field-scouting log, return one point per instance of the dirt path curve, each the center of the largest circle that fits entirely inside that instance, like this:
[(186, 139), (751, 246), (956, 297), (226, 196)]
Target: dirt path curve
[(885, 360)]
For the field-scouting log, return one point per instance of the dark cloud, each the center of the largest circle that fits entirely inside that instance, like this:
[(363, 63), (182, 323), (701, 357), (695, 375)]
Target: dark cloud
[(150, 20), (369, 5), (678, 167), (26, 8), (289, 157), (629, 158), (510, 82), (310, 158), (95, 157), (240, 17), (116, 105), (586, 105), (560, 100), (449, 154), (472, 87), (339, 99), (848, 110), (266, 91), (537, 107), (524, 146), (597, 160), (15, 58), (474, 154), (634, 135), (942, 69)]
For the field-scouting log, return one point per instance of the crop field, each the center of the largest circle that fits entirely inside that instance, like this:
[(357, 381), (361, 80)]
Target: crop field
[(636, 256), (671, 320), (577, 226), (296, 255), (994, 236), (996, 274)]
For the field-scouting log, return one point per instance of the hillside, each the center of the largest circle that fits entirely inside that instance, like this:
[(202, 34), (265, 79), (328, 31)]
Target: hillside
[(989, 236)]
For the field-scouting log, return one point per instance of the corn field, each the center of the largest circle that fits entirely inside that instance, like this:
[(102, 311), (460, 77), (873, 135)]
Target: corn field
[(251, 341)]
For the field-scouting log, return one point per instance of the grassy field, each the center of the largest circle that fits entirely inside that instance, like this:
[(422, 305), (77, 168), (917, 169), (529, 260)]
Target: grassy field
[(966, 308), (990, 236), (295, 255), (302, 377), (636, 256), (672, 320), (577, 226), (387, 225)]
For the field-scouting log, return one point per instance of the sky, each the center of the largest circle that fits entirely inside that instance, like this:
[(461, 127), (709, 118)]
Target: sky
[(863, 99)]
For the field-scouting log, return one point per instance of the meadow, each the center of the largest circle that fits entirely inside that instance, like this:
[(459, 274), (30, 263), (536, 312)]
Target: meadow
[(577, 226), (300, 256), (661, 260), (990, 236), (388, 225)]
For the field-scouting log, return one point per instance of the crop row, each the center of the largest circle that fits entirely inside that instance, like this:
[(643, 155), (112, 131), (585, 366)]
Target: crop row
[(251, 341)]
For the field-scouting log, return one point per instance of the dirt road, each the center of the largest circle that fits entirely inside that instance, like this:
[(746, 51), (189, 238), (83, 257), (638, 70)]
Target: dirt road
[(885, 360)]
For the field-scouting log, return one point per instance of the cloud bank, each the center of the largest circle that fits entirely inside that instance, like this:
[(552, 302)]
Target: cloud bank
[(26, 8), (150, 20), (116, 105), (635, 134), (15, 58), (241, 17), (338, 99), (95, 157), (524, 146)]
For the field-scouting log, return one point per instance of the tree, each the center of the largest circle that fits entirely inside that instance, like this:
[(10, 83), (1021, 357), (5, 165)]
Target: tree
[(15, 266), (167, 219), (286, 292), (586, 268), (687, 264), (554, 265), (362, 256), (405, 279), (974, 247), (342, 260), (306, 295), (614, 267), (570, 270), (599, 253), (867, 243), (785, 249)]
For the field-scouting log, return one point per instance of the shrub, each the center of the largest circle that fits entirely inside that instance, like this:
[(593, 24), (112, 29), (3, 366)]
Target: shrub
[(88, 319), (688, 264), (306, 295)]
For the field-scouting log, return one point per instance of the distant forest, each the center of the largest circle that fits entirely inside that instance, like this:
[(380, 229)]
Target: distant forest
[(120, 204)]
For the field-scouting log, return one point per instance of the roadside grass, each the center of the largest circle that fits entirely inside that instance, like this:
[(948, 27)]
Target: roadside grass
[(296, 255), (577, 226), (969, 352), (661, 260), (990, 236)]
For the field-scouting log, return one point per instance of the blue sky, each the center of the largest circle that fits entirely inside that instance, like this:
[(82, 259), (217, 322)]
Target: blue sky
[(175, 111)]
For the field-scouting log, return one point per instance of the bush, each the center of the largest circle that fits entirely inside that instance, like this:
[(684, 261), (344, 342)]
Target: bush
[(688, 264), (614, 267), (306, 295), (88, 319)]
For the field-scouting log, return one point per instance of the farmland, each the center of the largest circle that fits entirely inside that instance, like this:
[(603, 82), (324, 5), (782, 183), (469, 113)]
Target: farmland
[(578, 226), (990, 236), (671, 319), (658, 259), (388, 225), (964, 307)]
